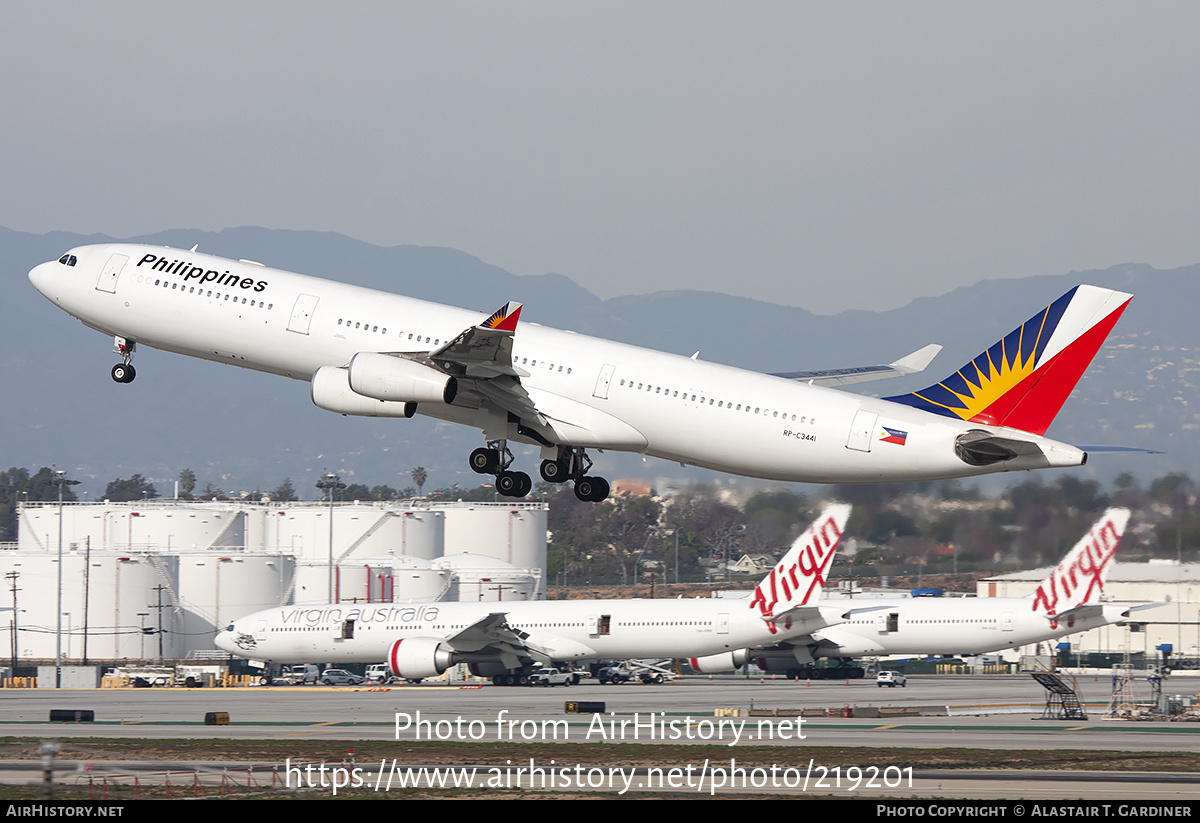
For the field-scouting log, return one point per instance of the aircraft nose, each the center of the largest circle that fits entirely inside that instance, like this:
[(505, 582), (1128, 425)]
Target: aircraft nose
[(42, 276), (224, 639)]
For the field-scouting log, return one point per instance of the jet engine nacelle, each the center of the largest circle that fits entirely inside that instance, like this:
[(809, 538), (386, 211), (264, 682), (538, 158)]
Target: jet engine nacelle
[(419, 657), (331, 391), (385, 377), (723, 662), (783, 662), (487, 668)]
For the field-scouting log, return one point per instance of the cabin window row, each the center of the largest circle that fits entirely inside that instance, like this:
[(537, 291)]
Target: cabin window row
[(358, 324), (720, 404), (525, 361), (245, 301)]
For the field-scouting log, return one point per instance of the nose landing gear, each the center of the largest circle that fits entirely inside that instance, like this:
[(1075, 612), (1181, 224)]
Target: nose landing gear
[(124, 372)]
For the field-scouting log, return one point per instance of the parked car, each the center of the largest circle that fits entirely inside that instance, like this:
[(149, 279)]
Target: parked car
[(380, 674), (340, 677), (551, 677), (891, 679), (301, 674)]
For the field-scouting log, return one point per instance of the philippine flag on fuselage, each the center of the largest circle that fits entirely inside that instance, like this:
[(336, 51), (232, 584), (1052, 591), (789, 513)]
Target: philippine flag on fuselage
[(894, 436)]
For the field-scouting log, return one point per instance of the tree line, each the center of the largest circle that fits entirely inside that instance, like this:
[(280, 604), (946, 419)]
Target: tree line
[(696, 533)]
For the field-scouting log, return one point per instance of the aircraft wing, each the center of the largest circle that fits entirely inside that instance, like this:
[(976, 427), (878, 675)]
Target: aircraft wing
[(910, 364), (482, 356), (494, 637)]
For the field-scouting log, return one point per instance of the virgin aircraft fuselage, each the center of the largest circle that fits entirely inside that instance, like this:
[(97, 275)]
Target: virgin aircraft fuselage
[(420, 640)]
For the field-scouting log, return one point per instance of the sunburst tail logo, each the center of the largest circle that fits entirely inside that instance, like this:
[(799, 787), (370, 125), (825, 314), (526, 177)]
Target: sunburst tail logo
[(1023, 380), (504, 318)]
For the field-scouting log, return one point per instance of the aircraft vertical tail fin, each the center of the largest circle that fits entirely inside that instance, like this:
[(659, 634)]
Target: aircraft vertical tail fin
[(1079, 578), (1023, 380), (798, 579)]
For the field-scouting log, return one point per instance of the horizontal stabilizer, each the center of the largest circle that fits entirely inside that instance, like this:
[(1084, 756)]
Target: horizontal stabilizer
[(909, 364), (1143, 606), (1116, 450), (811, 618)]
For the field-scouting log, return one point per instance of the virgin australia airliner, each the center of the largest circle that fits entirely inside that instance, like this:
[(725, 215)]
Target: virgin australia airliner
[(504, 640), (1066, 602), (376, 354)]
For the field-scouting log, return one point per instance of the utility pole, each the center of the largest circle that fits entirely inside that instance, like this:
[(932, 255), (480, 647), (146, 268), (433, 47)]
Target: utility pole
[(12, 576), (159, 608), (330, 483), (60, 479)]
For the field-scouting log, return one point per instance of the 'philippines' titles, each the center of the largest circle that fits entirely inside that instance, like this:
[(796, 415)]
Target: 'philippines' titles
[(191, 272)]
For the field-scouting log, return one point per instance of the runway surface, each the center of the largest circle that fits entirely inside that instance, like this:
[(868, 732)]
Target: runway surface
[(976, 712)]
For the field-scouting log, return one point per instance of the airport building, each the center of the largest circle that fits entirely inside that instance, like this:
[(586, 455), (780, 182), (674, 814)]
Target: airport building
[(157, 578)]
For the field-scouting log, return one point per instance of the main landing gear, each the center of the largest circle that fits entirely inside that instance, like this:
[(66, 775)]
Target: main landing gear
[(496, 459), (574, 464), (124, 372), (570, 464)]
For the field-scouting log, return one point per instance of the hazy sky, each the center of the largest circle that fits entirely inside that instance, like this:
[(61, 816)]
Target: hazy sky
[(824, 155)]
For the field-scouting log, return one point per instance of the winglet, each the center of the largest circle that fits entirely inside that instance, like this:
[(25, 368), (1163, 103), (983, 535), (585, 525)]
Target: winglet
[(797, 579), (1023, 380), (909, 364), (918, 360), (504, 318), (1079, 578)]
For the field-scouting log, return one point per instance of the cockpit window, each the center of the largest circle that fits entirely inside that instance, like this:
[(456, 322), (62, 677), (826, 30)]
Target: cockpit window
[(68, 260)]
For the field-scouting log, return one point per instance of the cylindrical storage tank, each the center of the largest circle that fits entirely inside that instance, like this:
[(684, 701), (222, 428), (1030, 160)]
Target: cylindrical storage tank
[(369, 581), (485, 579), (83, 525), (217, 588), (258, 526), (311, 583), (303, 531), (514, 534), (421, 533), (108, 598), (413, 580), (150, 526), (165, 529), (359, 530)]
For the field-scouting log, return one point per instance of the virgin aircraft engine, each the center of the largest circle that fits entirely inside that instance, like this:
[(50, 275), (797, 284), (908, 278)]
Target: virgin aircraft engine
[(419, 657), (386, 377), (723, 662)]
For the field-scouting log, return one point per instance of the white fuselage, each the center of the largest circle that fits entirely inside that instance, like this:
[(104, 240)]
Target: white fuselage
[(953, 626), (567, 630), (593, 393)]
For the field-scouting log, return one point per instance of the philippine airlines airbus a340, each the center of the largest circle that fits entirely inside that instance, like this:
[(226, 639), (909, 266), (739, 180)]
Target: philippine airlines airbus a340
[(504, 640), (376, 354)]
